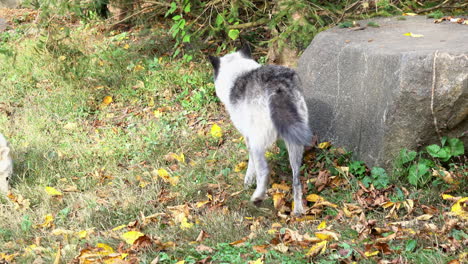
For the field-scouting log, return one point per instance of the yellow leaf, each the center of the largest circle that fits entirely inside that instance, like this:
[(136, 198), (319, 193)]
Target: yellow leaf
[(138, 67), (446, 196), (240, 167), (370, 254), (58, 255), (126, 46), (460, 208), (62, 58), (48, 221), (52, 191), (185, 224), (326, 235), (180, 158), (180, 262), (200, 204), (131, 236), (258, 261), (163, 173), (118, 228), (269, 155), (173, 180), (283, 187), (82, 234), (105, 249), (107, 100), (324, 145), (387, 204), (216, 131), (8, 258), (157, 113), (322, 225), (314, 198), (410, 14), (277, 199), (413, 35), (318, 248)]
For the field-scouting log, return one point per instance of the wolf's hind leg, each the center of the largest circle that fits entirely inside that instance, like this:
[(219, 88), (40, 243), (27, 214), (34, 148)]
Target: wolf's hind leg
[(261, 169), (249, 179), (295, 159)]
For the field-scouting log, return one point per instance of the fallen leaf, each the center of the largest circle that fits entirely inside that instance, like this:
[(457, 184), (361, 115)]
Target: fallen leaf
[(107, 100), (327, 235), (260, 248), (314, 198), (322, 225), (240, 167), (258, 261), (131, 236), (119, 227), (58, 255), (48, 222), (413, 35), (460, 208), (409, 14), (202, 235), (185, 224), (324, 145), (317, 249), (82, 234), (52, 191), (203, 248), (216, 131), (370, 254)]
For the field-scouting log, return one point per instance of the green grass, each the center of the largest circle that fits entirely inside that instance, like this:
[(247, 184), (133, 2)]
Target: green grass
[(104, 158)]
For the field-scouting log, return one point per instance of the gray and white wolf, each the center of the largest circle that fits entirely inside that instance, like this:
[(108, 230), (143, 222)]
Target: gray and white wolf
[(265, 103), (6, 165)]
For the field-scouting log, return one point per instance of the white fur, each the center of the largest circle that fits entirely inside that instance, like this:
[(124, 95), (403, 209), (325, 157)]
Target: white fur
[(6, 165), (253, 120)]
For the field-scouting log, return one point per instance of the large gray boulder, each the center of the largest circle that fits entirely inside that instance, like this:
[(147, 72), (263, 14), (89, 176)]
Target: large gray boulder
[(375, 91)]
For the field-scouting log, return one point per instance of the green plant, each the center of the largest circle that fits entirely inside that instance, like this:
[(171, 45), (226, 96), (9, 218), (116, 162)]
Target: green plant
[(378, 178), (435, 14), (372, 24), (417, 168), (450, 147)]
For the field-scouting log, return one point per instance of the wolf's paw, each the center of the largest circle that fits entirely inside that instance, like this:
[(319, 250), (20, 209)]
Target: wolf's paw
[(258, 197)]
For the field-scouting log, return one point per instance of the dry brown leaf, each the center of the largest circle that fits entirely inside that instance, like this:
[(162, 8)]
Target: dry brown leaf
[(203, 248)]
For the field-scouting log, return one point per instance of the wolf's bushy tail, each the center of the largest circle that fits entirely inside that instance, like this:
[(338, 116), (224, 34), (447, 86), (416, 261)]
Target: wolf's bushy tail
[(291, 124)]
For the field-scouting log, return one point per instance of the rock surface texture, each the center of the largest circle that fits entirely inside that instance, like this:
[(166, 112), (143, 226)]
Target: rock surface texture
[(10, 3), (375, 91)]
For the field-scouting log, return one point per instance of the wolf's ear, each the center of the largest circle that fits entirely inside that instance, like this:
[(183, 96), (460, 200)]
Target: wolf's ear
[(215, 61), (245, 51)]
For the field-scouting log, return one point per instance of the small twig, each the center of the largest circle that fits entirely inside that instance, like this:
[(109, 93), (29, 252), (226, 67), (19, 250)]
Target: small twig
[(432, 8), (433, 93), (249, 24)]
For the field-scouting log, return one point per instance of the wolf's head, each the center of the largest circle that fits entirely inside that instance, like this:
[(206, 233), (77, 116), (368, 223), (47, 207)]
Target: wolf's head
[(228, 67)]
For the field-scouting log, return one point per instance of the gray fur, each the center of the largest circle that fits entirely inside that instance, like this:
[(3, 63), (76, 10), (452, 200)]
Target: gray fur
[(282, 86)]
